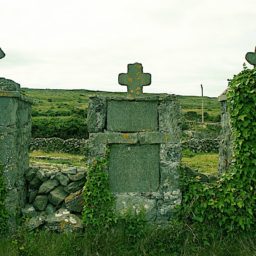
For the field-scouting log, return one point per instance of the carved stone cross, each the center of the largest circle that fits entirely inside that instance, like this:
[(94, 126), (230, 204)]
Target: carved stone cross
[(251, 57), (2, 54), (135, 79)]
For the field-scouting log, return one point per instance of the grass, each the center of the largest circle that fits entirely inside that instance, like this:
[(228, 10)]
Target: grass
[(56, 158), (56, 106), (168, 240), (206, 163), (56, 100)]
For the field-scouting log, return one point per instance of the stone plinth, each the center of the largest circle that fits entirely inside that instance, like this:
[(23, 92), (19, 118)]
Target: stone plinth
[(15, 130), (141, 137)]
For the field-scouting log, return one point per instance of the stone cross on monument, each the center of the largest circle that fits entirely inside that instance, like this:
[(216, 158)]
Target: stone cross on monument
[(2, 54), (251, 57), (135, 79)]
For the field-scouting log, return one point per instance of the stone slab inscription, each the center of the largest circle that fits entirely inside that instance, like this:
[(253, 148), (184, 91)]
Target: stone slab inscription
[(129, 116), (134, 168)]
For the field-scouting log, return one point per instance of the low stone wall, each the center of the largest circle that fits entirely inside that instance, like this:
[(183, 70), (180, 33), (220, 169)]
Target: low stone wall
[(73, 146), (79, 146), (49, 190), (202, 145)]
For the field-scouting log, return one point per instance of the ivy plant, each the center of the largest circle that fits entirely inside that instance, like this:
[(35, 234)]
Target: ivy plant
[(98, 209), (230, 202)]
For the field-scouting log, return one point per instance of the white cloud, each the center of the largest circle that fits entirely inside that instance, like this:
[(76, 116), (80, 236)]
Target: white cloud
[(85, 44)]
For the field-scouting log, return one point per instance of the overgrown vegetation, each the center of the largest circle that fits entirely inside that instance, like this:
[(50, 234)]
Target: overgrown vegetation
[(62, 126), (210, 211), (98, 210), (3, 211), (174, 239), (230, 202)]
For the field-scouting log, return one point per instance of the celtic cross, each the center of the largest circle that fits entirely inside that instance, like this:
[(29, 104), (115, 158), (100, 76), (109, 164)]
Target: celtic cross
[(251, 57), (135, 79)]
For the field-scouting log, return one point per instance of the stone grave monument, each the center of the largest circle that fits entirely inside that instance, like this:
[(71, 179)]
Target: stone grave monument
[(140, 135), (15, 129), (226, 137)]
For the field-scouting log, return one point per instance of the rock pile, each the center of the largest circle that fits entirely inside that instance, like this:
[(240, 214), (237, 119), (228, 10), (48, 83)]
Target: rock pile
[(61, 221), (48, 190)]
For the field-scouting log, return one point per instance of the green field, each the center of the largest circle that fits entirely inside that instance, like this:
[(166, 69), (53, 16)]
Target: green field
[(63, 113), (47, 100), (206, 163)]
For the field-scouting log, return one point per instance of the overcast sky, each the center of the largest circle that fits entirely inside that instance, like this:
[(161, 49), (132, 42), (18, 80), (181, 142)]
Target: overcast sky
[(82, 44)]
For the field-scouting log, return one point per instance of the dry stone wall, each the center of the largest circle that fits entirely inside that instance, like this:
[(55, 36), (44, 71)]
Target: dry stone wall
[(72, 145), (54, 198), (202, 145), (54, 188)]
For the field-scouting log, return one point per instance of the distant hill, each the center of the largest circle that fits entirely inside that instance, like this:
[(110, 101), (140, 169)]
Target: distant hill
[(62, 113)]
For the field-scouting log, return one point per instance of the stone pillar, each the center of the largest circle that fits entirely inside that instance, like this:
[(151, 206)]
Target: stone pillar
[(225, 149), (15, 132), (142, 136)]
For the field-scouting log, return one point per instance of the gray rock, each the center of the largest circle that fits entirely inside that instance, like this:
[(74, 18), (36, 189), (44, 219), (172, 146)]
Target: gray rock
[(47, 186), (96, 117), (35, 222), (63, 179), (35, 183), (32, 195), (74, 186), (76, 177), (71, 170), (136, 203), (40, 202), (41, 175), (49, 173), (50, 209), (28, 211), (75, 202), (57, 196), (30, 174), (63, 221)]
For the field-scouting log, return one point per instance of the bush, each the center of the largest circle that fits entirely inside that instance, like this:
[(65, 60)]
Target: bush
[(229, 203), (62, 127)]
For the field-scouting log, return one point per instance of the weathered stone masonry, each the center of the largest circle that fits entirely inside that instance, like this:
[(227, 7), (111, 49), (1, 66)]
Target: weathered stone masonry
[(225, 150), (15, 130), (141, 136)]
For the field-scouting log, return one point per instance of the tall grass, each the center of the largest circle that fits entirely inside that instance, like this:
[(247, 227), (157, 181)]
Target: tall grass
[(172, 239)]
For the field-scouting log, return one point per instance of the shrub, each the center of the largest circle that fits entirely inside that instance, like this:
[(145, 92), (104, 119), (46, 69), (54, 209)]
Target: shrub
[(230, 202), (98, 210), (62, 127)]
